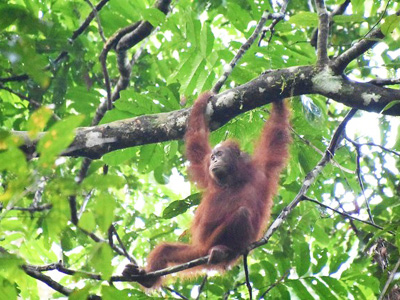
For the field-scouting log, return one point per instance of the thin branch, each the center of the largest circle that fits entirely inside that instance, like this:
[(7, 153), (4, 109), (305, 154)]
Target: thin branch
[(17, 78), (323, 33), (276, 18), (380, 18), (282, 278), (82, 28), (47, 280), (114, 247), (366, 43), (390, 279), (346, 215), (308, 143), (246, 272), (359, 175), (112, 232), (246, 46), (338, 11), (176, 293), (100, 28), (203, 284), (32, 208), (34, 103), (382, 147), (352, 225)]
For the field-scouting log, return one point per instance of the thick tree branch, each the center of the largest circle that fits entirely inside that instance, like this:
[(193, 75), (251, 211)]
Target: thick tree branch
[(93, 142)]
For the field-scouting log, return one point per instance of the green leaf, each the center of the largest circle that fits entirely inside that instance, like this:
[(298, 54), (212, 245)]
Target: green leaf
[(206, 40), (341, 19), (87, 221), (7, 289), (101, 257), (300, 289), (38, 120), (118, 157), (390, 105), (154, 16), (56, 139), (302, 257), (320, 289), (104, 211), (391, 23), (304, 19), (178, 207)]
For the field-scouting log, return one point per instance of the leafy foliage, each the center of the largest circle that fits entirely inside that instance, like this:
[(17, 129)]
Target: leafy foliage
[(144, 191)]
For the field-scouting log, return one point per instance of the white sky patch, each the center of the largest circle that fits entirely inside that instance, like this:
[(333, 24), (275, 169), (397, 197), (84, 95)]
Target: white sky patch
[(178, 184), (367, 125)]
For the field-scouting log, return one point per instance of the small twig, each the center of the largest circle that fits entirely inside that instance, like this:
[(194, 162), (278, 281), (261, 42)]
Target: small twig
[(276, 18), (203, 284), (346, 215), (229, 68), (34, 103), (33, 208), (382, 147), (379, 20), (246, 272), (352, 225), (359, 175), (389, 281), (113, 231), (84, 204), (308, 143), (100, 28), (275, 283), (175, 292), (100, 240)]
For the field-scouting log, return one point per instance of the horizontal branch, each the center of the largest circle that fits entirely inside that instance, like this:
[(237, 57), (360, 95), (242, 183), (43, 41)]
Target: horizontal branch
[(95, 141)]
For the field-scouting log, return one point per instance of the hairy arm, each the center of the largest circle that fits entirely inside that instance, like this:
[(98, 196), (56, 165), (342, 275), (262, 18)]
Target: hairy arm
[(271, 152), (198, 148)]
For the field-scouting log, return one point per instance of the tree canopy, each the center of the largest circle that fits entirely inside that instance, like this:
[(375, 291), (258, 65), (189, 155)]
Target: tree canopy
[(94, 99)]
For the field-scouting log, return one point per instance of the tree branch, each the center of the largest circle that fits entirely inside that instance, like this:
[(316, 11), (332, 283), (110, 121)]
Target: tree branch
[(390, 279), (93, 142), (246, 46), (31, 271), (366, 43), (346, 215), (323, 30)]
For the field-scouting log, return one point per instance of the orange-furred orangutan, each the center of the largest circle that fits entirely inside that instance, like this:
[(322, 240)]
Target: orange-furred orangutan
[(237, 193)]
